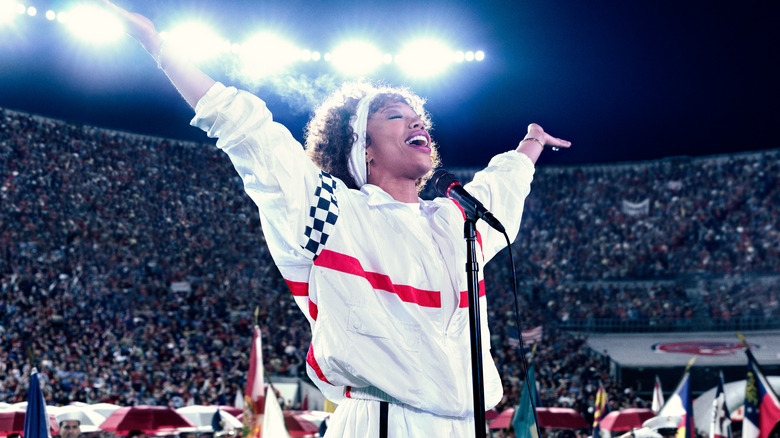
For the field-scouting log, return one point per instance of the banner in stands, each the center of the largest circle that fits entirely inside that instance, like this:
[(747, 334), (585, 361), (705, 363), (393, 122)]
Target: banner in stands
[(636, 208), (676, 349)]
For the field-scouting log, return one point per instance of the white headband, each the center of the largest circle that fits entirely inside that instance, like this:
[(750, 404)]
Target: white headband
[(357, 156)]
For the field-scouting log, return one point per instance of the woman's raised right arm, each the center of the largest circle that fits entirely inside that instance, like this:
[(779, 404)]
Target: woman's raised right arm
[(191, 82)]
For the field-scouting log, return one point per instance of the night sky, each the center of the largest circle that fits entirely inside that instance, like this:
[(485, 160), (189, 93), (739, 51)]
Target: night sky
[(623, 80)]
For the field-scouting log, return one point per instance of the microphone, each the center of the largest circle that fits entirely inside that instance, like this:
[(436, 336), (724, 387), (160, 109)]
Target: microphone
[(447, 185)]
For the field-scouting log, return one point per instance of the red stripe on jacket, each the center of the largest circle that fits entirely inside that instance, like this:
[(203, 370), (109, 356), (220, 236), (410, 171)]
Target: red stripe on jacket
[(315, 366), (300, 289), (464, 295), (350, 265)]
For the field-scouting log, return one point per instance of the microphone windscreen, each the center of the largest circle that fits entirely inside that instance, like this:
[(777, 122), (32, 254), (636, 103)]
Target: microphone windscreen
[(442, 181)]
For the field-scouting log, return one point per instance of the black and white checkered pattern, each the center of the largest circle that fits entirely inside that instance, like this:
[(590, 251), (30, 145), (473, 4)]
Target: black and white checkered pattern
[(322, 215)]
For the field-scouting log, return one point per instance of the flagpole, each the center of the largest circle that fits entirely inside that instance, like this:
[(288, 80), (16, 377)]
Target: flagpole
[(753, 360), (749, 352), (762, 406)]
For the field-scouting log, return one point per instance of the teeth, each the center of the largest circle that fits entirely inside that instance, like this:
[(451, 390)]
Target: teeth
[(416, 138)]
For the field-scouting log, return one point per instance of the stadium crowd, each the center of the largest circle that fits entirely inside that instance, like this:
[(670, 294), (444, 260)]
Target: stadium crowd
[(131, 266)]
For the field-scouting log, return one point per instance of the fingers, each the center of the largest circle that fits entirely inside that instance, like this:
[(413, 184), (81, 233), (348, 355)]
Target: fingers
[(536, 131), (557, 142)]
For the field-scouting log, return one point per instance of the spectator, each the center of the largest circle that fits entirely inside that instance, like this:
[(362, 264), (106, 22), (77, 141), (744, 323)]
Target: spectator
[(70, 428)]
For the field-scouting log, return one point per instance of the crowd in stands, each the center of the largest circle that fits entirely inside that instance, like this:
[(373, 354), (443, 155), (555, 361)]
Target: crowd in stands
[(96, 226)]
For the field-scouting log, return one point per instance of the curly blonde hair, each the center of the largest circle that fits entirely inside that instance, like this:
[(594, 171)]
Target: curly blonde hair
[(329, 136)]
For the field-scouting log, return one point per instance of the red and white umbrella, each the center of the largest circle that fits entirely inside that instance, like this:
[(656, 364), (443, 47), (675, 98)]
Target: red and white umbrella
[(298, 425), (202, 416), (88, 419), (626, 419), (149, 419), (560, 418), (12, 421), (104, 409), (232, 410), (503, 420), (549, 418), (314, 417)]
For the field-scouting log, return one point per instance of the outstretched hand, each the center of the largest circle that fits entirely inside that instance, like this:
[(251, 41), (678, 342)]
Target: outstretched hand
[(536, 131), (534, 142), (137, 26)]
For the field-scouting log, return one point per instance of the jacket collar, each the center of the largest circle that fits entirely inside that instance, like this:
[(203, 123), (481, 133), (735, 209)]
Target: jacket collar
[(377, 196)]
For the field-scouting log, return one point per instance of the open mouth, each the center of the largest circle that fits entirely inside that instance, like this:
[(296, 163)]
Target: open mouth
[(419, 138)]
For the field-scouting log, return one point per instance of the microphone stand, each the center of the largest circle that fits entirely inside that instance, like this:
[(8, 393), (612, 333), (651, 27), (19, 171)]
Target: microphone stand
[(472, 269)]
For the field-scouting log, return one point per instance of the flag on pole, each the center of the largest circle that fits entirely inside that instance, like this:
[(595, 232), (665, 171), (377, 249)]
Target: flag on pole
[(273, 419), (680, 404), (600, 410), (720, 427), (658, 395), (762, 408), (253, 398), (36, 420)]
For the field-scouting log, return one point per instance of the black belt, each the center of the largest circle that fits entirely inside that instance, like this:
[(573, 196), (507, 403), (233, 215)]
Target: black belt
[(383, 407)]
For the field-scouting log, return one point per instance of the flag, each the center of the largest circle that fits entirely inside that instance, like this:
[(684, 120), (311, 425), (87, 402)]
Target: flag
[(253, 397), (238, 401), (533, 335), (658, 395), (530, 336), (720, 427), (523, 422), (216, 421), (680, 404), (600, 410), (762, 408), (329, 406), (273, 419), (36, 420)]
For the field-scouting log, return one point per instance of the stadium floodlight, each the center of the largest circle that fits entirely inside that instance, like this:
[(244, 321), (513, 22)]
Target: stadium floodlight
[(479, 55), (356, 58), (8, 10), (197, 41), (32, 11), (425, 58), (266, 54), (50, 15), (92, 24), (308, 55)]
